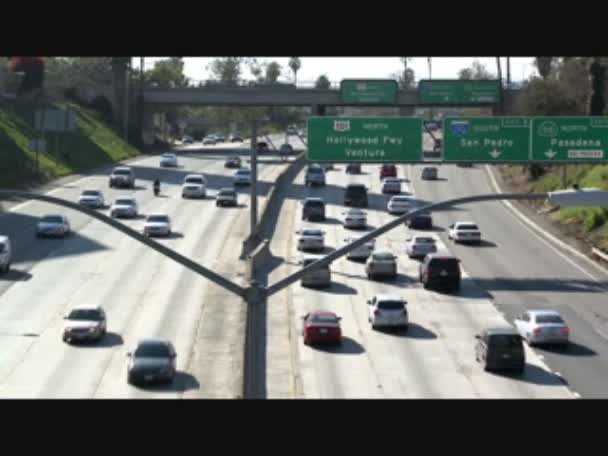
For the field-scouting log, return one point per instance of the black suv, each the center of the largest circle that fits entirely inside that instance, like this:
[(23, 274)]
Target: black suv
[(420, 222), (440, 271), (353, 168), (313, 209), (500, 348), (355, 195)]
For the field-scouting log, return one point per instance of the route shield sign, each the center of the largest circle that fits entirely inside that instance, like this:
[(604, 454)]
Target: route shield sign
[(382, 91), (486, 139), (457, 91), (569, 139), (364, 139)]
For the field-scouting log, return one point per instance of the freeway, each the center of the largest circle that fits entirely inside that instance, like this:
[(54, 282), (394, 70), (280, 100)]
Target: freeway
[(434, 359), (143, 292)]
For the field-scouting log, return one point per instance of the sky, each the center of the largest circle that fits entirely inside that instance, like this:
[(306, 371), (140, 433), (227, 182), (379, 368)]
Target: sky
[(338, 68)]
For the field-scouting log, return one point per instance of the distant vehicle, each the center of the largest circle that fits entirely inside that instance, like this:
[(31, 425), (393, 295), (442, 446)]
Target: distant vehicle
[(311, 239), (84, 322), (353, 168), (388, 171), (391, 185), (440, 271), (362, 252), (400, 204), (388, 310), (187, 140), (381, 264), (262, 147), (220, 138), (233, 161), (286, 149), (315, 175), (226, 197), (355, 218), (318, 278), (6, 253), (355, 195), (194, 186), (423, 221), (242, 177), (168, 160), (464, 232), (235, 137), (464, 164), (53, 225), (292, 131), (122, 176), (327, 166), (124, 206), (542, 327), (420, 246), (152, 360), (209, 141), (313, 209), (157, 225), (500, 348), (321, 327), (92, 198), (429, 173)]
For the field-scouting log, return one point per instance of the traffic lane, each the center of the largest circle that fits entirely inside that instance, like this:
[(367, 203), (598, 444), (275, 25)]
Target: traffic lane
[(522, 273)]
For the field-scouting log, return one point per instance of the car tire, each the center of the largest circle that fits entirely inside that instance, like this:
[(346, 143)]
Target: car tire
[(486, 367), (374, 327), (520, 370), (425, 285), (64, 338), (369, 276), (405, 328)]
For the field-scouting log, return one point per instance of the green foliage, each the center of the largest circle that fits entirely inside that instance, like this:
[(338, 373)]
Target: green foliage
[(167, 73), (543, 64), (477, 71), (548, 98), (322, 82)]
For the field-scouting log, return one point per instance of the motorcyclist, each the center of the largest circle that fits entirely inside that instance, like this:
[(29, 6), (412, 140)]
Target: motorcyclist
[(156, 186)]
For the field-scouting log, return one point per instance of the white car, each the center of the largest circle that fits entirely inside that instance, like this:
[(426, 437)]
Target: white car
[(391, 185), (168, 160), (355, 218), (209, 141), (311, 239), (226, 197), (124, 206), (84, 323), (420, 246), (157, 225), (194, 186), (242, 177), (381, 264), (400, 204), (53, 225), (388, 310), (542, 326), (92, 198), (362, 252), (6, 254), (318, 278), (464, 232)]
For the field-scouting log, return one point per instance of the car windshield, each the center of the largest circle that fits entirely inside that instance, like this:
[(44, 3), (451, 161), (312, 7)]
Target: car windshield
[(52, 219), (122, 172), (390, 305), (168, 156), (158, 219), (549, 319), (152, 350), (194, 180), (385, 256), (2, 247), (323, 319), (468, 227), (124, 202), (85, 314), (505, 340), (90, 193), (424, 240)]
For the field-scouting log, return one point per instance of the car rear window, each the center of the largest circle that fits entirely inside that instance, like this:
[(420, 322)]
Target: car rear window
[(356, 190), (323, 319), (90, 193), (505, 340), (312, 233), (124, 202), (390, 305), (85, 314), (158, 219), (448, 264), (243, 171), (402, 199), (194, 180), (549, 319), (315, 170), (424, 240), (122, 172), (152, 350), (52, 219), (168, 156), (309, 261), (383, 256), (227, 192), (314, 203), (468, 227)]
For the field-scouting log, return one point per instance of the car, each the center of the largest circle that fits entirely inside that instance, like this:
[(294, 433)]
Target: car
[(233, 161), (84, 322), (381, 264), (157, 225), (6, 253), (441, 271), (313, 209), (286, 149), (318, 278), (209, 141), (500, 348), (124, 206), (400, 204), (420, 246), (328, 166), (315, 175), (388, 171), (187, 140), (429, 173), (362, 252), (91, 198), (152, 360), (464, 232), (122, 176), (542, 327), (262, 147), (311, 239), (391, 185), (321, 326), (168, 160), (53, 225), (388, 309), (355, 218), (226, 197), (242, 177), (353, 168), (235, 137), (464, 164), (194, 186), (220, 138), (422, 221), (292, 131), (355, 195)]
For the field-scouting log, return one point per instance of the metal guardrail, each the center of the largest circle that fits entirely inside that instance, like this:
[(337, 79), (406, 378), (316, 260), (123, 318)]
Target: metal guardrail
[(599, 253)]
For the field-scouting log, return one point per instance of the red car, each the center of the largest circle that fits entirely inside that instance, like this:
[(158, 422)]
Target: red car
[(388, 171), (321, 327)]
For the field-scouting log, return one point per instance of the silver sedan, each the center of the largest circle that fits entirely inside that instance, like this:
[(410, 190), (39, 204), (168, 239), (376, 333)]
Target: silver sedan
[(355, 218), (542, 326), (420, 246)]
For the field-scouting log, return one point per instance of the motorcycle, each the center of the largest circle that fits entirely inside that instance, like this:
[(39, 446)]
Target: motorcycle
[(156, 189)]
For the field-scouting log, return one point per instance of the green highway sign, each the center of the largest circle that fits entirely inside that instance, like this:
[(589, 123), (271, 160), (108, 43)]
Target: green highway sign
[(369, 91), (457, 91), (364, 139), (569, 139), (486, 139)]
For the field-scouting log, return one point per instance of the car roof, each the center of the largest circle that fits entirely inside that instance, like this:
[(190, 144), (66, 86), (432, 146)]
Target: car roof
[(153, 340), (501, 331), (465, 223), (323, 312), (91, 190), (192, 175), (543, 312), (313, 198), (119, 197), (227, 189), (312, 229), (86, 307), (355, 185), (157, 214), (441, 255), (388, 297), (53, 215), (122, 167)]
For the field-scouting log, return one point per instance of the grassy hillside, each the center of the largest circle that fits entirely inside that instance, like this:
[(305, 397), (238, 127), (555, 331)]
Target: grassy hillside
[(92, 144)]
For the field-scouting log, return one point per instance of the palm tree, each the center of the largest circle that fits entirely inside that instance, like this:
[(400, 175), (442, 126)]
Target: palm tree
[(544, 66), (295, 64), (597, 72)]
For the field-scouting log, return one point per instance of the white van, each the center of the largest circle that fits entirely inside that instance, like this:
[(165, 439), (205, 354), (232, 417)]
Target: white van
[(6, 254)]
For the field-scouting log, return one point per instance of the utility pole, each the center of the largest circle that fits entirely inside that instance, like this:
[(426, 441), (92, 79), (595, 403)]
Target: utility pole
[(126, 102), (254, 181)]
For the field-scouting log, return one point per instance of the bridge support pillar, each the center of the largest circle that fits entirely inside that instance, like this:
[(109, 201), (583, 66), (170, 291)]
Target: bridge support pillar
[(147, 128)]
